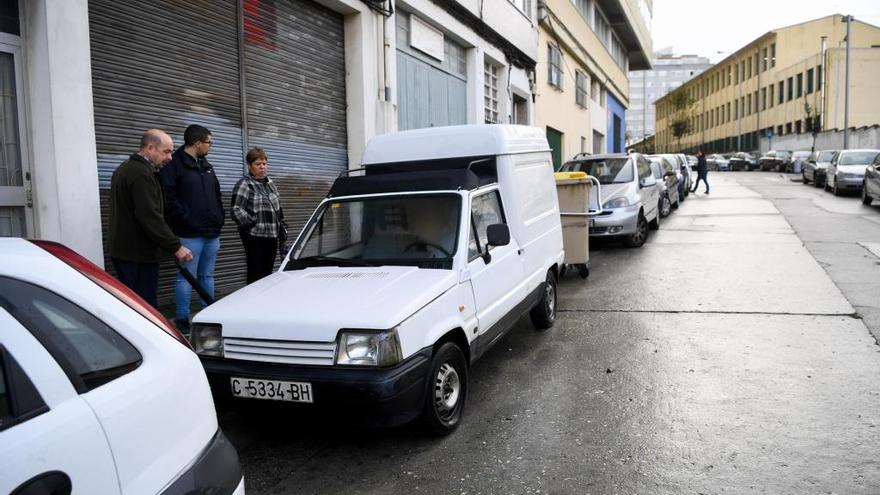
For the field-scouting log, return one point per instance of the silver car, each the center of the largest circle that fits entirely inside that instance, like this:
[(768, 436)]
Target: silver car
[(630, 195), (815, 166), (847, 170), (663, 167)]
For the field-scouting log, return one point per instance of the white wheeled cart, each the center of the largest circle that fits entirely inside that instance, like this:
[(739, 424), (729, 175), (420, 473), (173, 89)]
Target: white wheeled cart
[(576, 207)]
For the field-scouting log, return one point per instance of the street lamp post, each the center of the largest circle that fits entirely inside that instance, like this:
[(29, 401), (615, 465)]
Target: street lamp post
[(848, 20)]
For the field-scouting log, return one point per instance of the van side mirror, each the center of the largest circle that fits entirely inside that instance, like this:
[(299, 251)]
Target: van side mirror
[(498, 234)]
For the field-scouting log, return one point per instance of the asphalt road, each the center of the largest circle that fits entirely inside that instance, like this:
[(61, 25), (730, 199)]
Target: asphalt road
[(730, 354)]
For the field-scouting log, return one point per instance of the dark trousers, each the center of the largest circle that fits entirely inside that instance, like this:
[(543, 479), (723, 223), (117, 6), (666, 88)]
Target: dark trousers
[(701, 176), (142, 278), (259, 253)]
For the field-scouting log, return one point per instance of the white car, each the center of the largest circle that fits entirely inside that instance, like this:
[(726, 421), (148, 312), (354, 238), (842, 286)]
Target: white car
[(402, 277), (846, 172), (630, 195), (99, 394)]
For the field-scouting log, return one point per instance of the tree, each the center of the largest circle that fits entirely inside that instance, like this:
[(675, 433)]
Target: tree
[(682, 115), (812, 122)]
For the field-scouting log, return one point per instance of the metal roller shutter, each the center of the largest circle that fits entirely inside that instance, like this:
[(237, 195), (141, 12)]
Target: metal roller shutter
[(295, 94), (168, 64), (171, 63)]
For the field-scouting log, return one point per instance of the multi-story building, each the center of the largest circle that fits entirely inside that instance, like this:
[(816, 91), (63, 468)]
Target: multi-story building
[(645, 86), (776, 85), (585, 48), (308, 81)]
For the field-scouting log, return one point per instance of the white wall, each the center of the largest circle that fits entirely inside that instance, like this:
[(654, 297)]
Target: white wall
[(62, 124), (858, 138)]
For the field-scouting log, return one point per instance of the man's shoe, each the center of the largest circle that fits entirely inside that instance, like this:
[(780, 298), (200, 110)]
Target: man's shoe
[(182, 325), (707, 192)]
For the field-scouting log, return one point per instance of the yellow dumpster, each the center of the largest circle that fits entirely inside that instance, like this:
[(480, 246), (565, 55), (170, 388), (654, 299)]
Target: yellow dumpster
[(573, 190)]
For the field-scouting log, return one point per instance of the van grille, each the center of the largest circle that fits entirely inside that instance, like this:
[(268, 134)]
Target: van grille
[(348, 275), (280, 351)]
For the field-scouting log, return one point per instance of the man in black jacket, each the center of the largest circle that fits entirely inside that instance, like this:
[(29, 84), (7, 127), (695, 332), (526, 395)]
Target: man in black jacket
[(702, 171), (194, 209), (138, 232)]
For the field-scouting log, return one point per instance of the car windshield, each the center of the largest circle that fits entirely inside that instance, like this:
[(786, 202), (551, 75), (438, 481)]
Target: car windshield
[(417, 230), (608, 171), (783, 154), (825, 156), (801, 154), (858, 158)]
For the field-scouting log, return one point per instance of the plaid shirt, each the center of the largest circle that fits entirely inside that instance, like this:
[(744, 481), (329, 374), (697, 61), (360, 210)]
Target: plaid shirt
[(255, 206)]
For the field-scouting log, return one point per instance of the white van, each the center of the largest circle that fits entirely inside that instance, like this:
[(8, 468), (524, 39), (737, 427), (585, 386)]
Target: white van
[(409, 270)]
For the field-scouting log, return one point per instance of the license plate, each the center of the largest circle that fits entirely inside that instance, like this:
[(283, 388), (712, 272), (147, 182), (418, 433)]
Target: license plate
[(271, 390), (592, 223)]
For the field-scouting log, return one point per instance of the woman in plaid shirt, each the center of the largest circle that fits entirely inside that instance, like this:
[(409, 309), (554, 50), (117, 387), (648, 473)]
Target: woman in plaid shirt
[(256, 210)]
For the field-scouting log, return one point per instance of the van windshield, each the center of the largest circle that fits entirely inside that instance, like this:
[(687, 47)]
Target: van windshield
[(419, 230), (608, 171)]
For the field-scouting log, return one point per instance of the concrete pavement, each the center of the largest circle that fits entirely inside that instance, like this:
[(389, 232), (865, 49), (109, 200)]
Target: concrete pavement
[(719, 357)]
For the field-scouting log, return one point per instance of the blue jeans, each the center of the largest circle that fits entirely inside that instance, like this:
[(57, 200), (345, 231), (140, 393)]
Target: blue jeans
[(204, 257), (701, 177)]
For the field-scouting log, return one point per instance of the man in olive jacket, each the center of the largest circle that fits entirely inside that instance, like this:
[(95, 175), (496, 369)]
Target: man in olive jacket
[(139, 235)]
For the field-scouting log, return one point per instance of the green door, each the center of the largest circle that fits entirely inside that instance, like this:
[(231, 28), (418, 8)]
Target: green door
[(554, 137)]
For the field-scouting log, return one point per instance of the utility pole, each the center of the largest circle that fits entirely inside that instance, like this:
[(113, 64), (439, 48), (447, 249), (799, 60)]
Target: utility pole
[(848, 20), (824, 69), (739, 111)]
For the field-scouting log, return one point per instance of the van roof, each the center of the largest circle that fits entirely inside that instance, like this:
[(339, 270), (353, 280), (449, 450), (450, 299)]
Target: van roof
[(454, 141)]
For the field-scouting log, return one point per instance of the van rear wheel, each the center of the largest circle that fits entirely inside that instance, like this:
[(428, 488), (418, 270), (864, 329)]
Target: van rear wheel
[(543, 315), (447, 390)]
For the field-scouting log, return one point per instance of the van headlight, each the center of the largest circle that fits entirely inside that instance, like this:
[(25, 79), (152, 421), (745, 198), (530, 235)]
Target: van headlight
[(365, 348), (616, 203), (207, 339)]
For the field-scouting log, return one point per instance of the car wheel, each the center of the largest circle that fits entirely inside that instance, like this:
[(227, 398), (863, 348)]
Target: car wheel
[(447, 390), (804, 178), (866, 199), (834, 188), (665, 206), (655, 223), (641, 234), (583, 271), (676, 204), (816, 181), (543, 315), (748, 168)]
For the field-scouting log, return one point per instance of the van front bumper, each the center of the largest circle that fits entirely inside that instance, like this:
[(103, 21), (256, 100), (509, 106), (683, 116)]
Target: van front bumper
[(621, 221), (369, 397)]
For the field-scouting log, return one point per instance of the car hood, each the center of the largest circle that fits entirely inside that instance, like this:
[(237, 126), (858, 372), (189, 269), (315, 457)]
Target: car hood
[(313, 304), (612, 191), (852, 169)]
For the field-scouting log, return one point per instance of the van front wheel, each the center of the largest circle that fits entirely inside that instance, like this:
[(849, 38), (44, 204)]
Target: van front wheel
[(543, 315), (447, 390)]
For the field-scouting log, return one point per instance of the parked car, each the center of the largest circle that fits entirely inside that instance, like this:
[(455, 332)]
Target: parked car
[(847, 170), (663, 169), (683, 173), (798, 158), (742, 161), (815, 166), (370, 316), (776, 160), (717, 162), (99, 393), (871, 184), (630, 195)]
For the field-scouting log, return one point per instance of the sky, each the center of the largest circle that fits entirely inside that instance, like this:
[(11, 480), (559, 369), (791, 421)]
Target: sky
[(717, 28)]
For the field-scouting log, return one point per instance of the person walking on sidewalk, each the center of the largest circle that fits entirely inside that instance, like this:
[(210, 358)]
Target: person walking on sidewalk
[(256, 209), (138, 234), (702, 171), (195, 212)]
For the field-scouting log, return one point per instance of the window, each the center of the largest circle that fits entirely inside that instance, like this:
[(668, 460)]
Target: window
[(788, 128), (819, 78), (771, 88), (779, 130), (797, 127), (19, 399), (764, 60), (485, 211), (583, 6), (728, 112), (749, 65), (763, 98), (790, 89), (554, 66), (490, 92), (800, 84), (736, 76), (525, 6), (773, 55), (580, 93), (598, 142), (602, 28), (90, 352), (810, 81), (755, 101), (781, 92), (602, 94), (644, 167), (736, 110), (749, 105), (520, 110)]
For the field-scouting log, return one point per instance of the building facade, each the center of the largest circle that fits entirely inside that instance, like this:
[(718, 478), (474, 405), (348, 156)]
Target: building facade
[(645, 86), (308, 81), (784, 82), (585, 49)]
